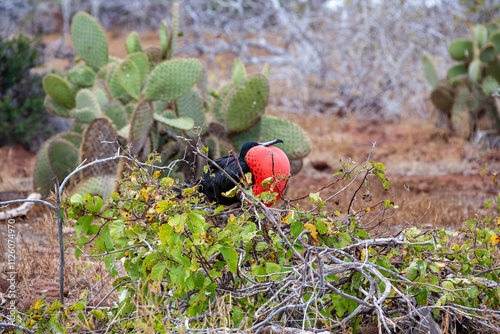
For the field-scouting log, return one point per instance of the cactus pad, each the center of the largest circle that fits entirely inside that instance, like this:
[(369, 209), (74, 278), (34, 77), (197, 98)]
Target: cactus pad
[(129, 78), (125, 131), (99, 130), (116, 89), (154, 56), (43, 174), (221, 99), (141, 61), (490, 86), (59, 90), (456, 70), (174, 31), (442, 99), (266, 71), (159, 106), (77, 127), (85, 99), (84, 115), (103, 72), (130, 107), (296, 144), (89, 40), (163, 39), (495, 40), (239, 72), (82, 75), (191, 105), (182, 123), (460, 49), (102, 94), (133, 44), (430, 71), (480, 34), (117, 114), (140, 125), (487, 54), (102, 185), (213, 145), (245, 104), (172, 79), (154, 134), (72, 137), (474, 70), (63, 158), (55, 108)]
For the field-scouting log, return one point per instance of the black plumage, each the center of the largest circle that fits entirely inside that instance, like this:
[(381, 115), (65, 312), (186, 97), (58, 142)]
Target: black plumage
[(214, 182)]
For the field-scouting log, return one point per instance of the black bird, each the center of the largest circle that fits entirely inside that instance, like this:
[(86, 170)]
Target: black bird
[(214, 182)]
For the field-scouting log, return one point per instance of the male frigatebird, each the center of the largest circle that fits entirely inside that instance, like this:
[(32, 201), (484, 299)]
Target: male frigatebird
[(259, 159)]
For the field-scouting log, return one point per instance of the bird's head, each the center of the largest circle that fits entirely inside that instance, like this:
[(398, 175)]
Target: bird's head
[(251, 144)]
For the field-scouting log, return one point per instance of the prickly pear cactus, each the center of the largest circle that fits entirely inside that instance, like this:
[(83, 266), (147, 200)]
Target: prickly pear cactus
[(295, 143), (466, 94), (89, 40), (56, 158), (245, 104), (140, 126), (59, 91), (239, 109), (172, 79), (144, 101)]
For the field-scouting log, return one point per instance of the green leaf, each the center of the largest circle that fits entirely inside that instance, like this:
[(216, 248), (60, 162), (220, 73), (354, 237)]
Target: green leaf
[(320, 225), (157, 271), (422, 297), (196, 222), (76, 199), (381, 175), (296, 228), (165, 231), (261, 246), (98, 314), (272, 267), (231, 257), (178, 222), (83, 224), (106, 237), (412, 271), (95, 206), (116, 229)]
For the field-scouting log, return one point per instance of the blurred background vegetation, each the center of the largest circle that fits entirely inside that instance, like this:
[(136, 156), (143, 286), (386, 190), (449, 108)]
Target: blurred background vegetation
[(343, 57)]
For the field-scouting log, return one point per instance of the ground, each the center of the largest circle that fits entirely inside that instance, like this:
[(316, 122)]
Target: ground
[(434, 177)]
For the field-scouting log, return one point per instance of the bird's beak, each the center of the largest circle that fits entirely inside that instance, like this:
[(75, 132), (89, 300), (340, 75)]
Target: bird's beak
[(272, 142)]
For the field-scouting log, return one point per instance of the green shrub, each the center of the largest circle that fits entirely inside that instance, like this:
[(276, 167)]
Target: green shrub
[(22, 114)]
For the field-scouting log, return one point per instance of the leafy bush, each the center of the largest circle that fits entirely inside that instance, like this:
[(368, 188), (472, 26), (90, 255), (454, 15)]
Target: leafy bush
[(22, 113), (181, 264)]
